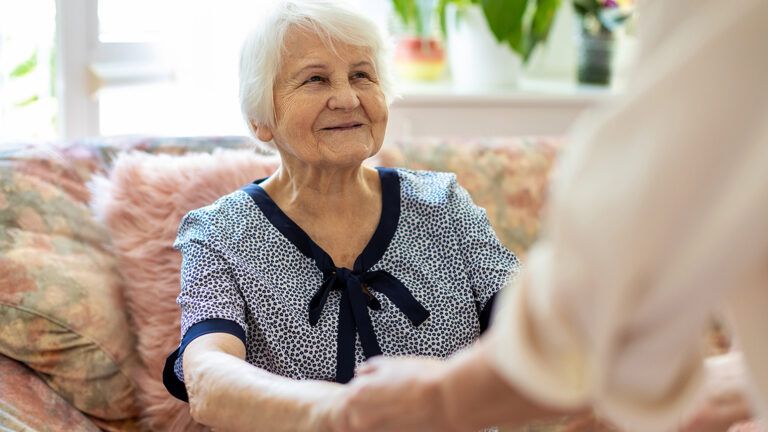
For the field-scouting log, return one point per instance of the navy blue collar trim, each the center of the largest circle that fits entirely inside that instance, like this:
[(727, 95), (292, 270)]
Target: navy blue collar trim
[(374, 250), (356, 284)]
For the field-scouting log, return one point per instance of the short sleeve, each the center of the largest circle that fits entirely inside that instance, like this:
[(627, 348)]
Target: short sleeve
[(210, 299), (489, 264), (208, 288)]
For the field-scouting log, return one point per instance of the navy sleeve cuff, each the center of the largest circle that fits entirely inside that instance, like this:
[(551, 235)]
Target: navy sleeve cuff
[(485, 313), (172, 383)]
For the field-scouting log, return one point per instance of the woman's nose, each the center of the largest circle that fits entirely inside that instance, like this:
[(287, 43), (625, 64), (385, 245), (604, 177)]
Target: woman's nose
[(344, 97)]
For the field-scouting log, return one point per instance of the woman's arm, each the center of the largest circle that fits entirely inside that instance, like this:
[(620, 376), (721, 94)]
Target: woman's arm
[(227, 393)]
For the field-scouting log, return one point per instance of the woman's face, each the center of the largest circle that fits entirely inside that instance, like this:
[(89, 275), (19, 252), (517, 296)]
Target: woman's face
[(329, 107)]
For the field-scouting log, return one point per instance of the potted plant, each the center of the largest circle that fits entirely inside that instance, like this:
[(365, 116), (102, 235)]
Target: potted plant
[(490, 40), (419, 53), (510, 21), (600, 20)]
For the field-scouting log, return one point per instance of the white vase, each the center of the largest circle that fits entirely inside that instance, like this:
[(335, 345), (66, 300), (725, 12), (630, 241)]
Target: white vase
[(478, 61)]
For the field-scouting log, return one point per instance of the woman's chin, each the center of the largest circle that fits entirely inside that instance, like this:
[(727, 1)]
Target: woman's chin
[(350, 153)]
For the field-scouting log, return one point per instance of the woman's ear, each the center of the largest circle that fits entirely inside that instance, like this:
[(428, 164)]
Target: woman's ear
[(262, 132)]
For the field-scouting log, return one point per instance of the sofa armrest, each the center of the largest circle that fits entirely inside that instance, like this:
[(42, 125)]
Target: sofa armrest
[(28, 404)]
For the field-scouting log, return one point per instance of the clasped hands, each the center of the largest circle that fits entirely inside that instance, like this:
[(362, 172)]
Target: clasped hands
[(395, 394), (410, 394)]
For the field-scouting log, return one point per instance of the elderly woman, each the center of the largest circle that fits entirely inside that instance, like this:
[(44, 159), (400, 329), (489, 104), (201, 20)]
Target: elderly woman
[(291, 282)]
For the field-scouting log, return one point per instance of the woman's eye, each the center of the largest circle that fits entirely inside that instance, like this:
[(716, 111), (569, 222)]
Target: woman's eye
[(315, 78), (360, 75)]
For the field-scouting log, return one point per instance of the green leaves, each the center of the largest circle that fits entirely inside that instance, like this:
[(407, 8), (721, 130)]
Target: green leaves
[(404, 10), (505, 17), (28, 101), (521, 24), (510, 22), (441, 4), (410, 15), (441, 13), (584, 7), (24, 68), (543, 17)]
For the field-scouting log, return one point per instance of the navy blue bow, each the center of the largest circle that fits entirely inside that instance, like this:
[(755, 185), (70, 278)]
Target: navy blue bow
[(353, 312)]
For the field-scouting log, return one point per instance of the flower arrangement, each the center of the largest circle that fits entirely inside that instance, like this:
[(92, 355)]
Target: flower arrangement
[(603, 17)]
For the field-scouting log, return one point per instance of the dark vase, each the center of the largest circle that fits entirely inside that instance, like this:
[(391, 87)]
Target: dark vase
[(596, 58)]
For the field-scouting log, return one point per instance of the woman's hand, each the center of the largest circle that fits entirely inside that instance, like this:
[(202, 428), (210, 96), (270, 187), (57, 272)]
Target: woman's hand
[(723, 399), (401, 395), (464, 393), (324, 400), (587, 423), (719, 413)]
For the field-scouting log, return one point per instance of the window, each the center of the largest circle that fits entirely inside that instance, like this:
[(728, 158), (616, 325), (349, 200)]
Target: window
[(185, 83), (170, 68), (28, 106), (133, 21), (156, 67)]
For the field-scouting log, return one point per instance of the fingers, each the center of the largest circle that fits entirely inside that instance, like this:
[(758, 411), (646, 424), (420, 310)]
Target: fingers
[(365, 408), (370, 366), (390, 395), (587, 423), (719, 414), (579, 424)]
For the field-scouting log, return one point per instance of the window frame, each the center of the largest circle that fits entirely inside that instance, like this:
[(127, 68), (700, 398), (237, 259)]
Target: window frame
[(85, 65)]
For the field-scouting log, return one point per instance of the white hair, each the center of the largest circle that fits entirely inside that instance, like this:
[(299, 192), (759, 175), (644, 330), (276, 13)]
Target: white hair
[(331, 20)]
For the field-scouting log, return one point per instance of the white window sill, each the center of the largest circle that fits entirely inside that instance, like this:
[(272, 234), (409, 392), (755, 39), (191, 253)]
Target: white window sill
[(528, 92), (533, 108)]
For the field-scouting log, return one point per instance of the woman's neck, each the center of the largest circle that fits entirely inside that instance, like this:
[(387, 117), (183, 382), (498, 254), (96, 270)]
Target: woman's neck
[(314, 190)]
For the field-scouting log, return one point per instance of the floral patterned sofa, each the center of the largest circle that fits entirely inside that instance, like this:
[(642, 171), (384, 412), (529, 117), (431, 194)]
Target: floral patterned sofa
[(68, 355)]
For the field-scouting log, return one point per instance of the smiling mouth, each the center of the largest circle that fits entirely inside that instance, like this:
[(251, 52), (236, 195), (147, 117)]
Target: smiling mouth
[(344, 127)]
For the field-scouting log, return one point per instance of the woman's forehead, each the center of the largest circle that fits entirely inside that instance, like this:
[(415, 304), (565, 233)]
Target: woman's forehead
[(302, 47)]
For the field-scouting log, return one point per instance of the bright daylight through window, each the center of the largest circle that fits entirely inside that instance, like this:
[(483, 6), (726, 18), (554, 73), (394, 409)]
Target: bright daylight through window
[(28, 106)]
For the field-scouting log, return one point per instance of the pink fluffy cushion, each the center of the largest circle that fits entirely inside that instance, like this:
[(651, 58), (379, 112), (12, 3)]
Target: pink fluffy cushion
[(142, 203)]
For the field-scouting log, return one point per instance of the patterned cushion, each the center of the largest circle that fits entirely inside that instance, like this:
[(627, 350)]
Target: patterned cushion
[(61, 311), (28, 404), (61, 306), (69, 165), (507, 177)]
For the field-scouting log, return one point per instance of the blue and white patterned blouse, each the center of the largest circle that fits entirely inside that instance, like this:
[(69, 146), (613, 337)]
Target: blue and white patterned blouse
[(422, 286)]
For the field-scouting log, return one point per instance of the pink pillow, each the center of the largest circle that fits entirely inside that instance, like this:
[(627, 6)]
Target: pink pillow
[(142, 204)]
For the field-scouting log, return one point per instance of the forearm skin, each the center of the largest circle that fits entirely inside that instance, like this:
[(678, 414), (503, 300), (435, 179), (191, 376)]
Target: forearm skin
[(229, 394)]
